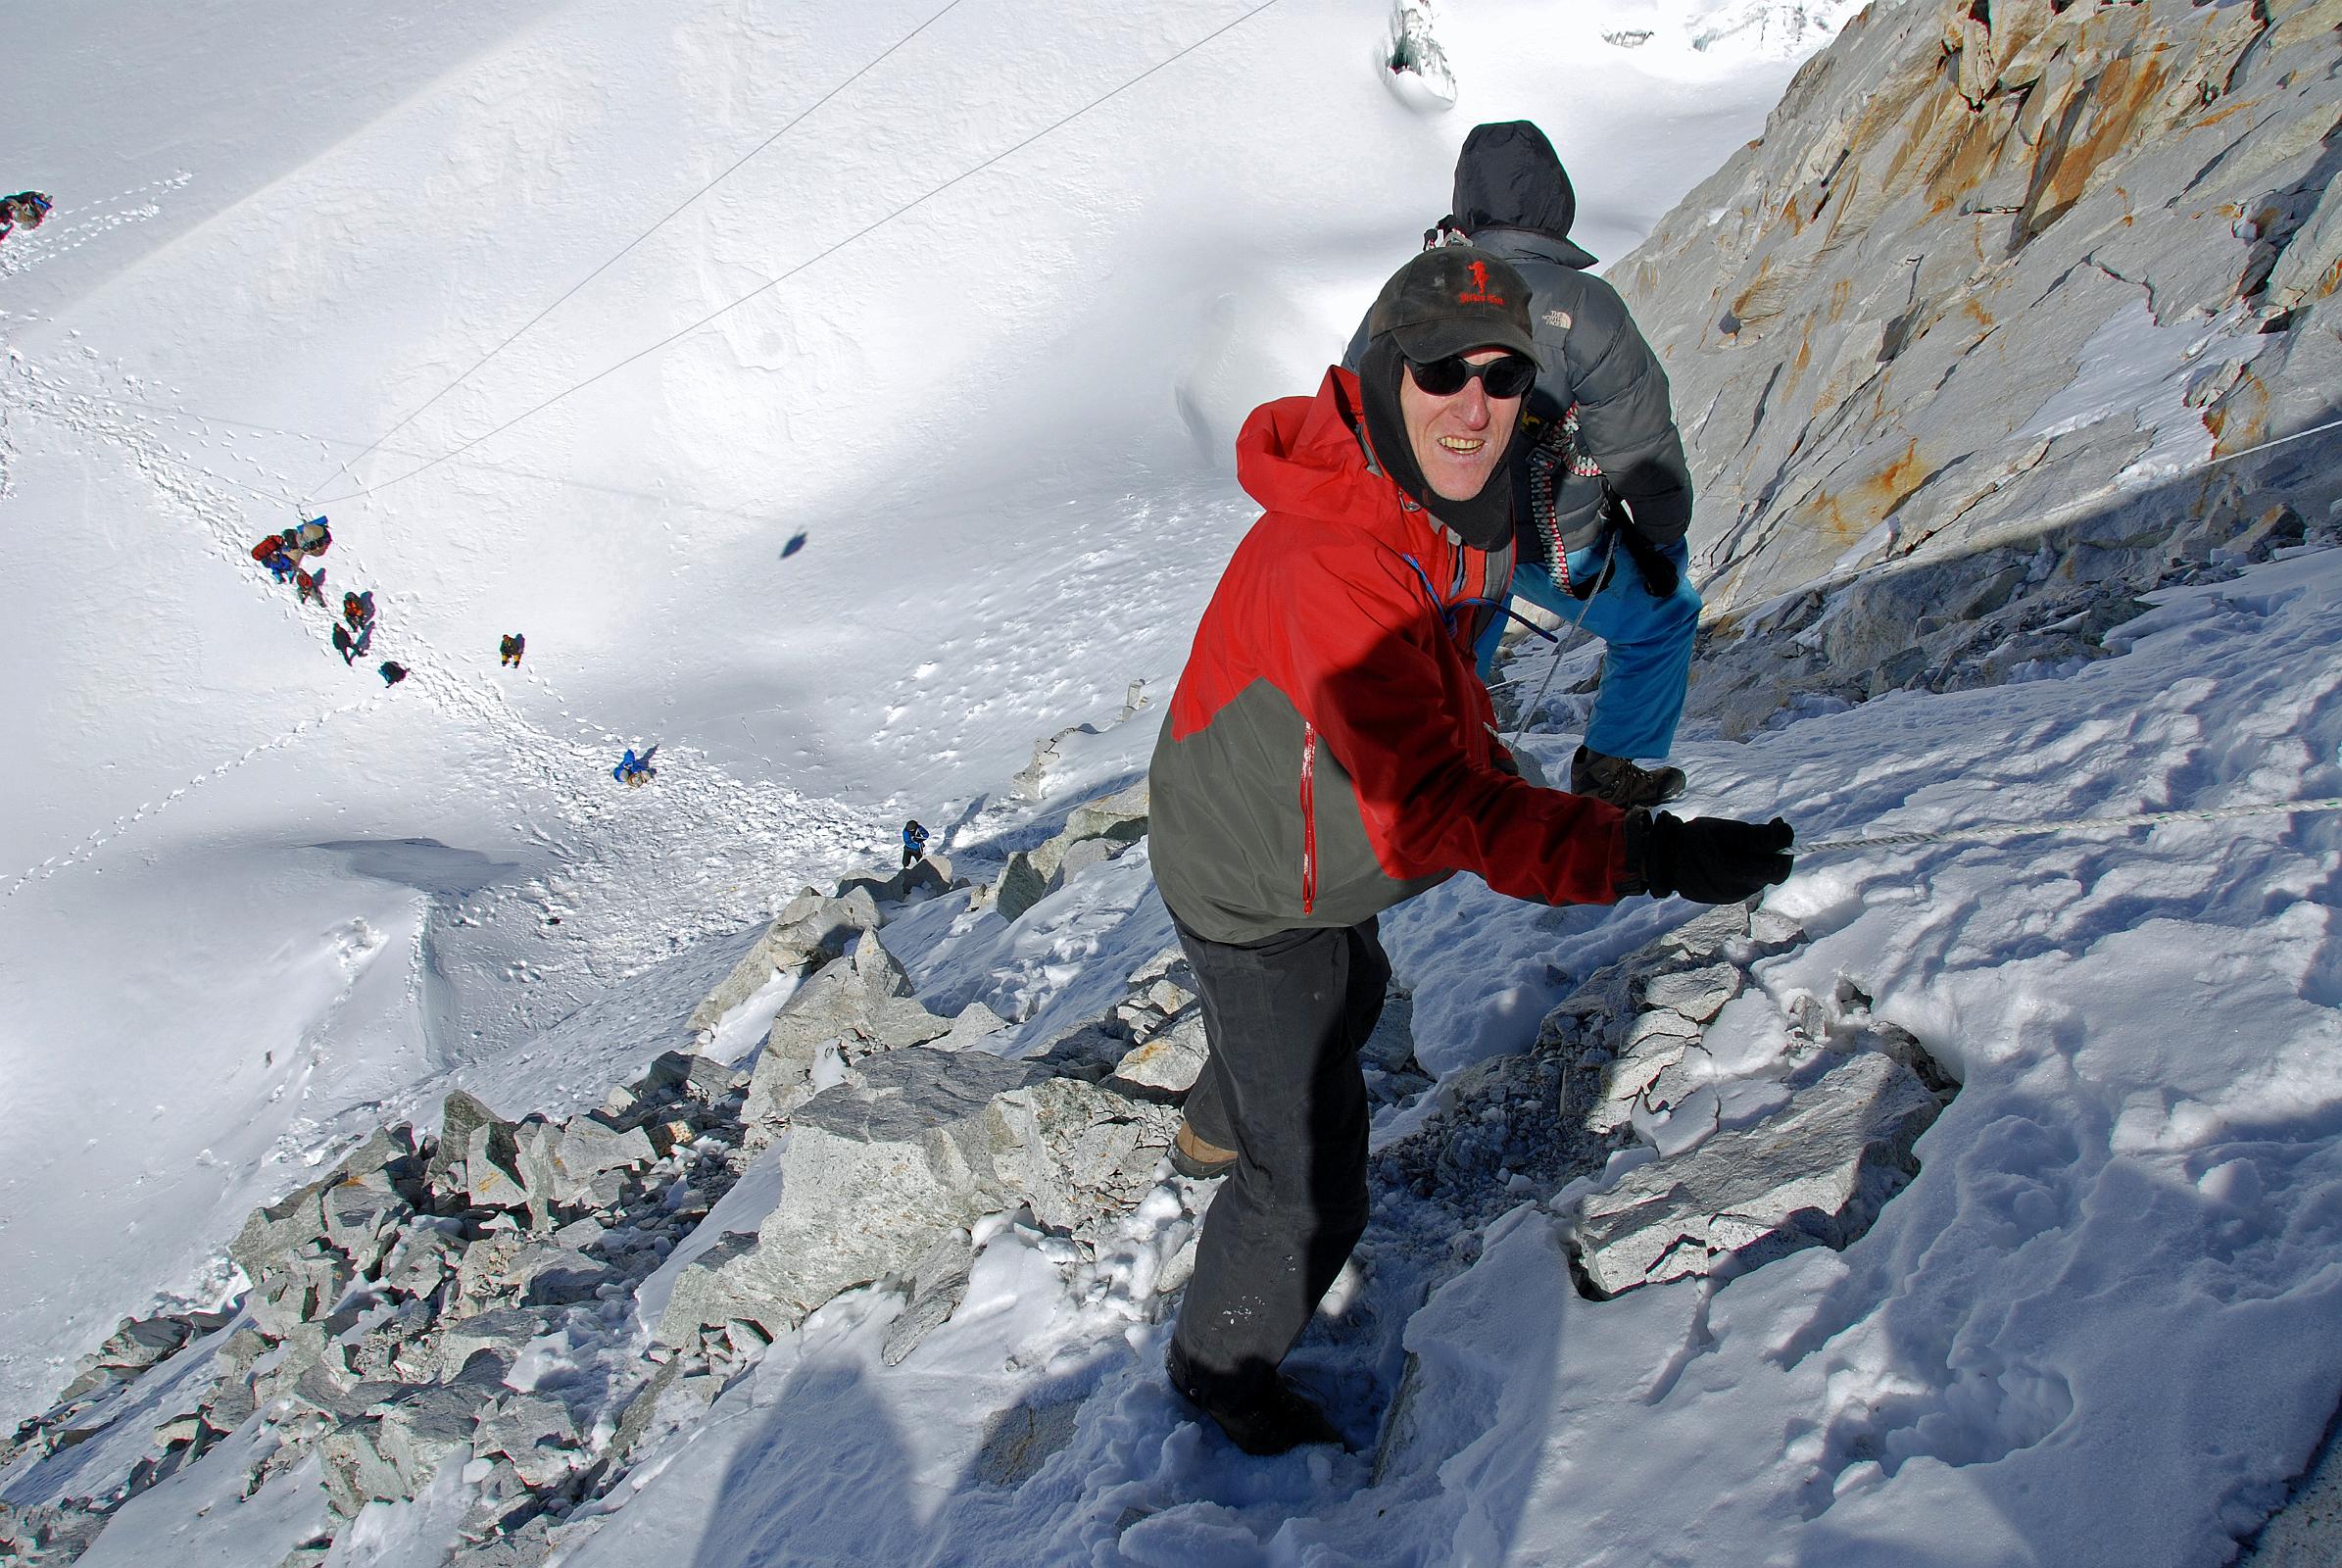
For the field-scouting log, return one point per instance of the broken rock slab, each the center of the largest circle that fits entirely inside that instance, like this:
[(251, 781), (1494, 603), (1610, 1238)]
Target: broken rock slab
[(1814, 1175), (938, 1282), (1076, 1150), (865, 1000), (874, 1174), (1021, 886), (1171, 1060), (533, 1431), (878, 1171)]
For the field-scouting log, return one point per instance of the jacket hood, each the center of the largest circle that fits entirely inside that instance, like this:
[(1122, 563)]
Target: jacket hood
[(1303, 456), (1508, 176)]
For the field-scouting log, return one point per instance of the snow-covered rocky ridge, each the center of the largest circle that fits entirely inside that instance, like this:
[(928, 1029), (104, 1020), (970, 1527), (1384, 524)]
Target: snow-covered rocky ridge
[(2095, 1325), (254, 904), (907, 1270)]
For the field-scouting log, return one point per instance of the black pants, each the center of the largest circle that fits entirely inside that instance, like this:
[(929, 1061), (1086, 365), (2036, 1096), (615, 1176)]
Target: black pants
[(1284, 1018)]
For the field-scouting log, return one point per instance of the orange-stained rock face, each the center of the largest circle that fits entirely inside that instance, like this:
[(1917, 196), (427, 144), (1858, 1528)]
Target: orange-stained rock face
[(1950, 225)]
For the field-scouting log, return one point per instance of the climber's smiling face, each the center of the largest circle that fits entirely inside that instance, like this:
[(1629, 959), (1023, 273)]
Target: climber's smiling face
[(1458, 437)]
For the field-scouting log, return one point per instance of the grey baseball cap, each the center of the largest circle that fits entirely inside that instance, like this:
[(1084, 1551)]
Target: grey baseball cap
[(1454, 300)]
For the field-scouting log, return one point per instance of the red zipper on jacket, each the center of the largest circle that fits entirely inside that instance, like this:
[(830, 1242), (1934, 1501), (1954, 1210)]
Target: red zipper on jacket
[(1308, 816)]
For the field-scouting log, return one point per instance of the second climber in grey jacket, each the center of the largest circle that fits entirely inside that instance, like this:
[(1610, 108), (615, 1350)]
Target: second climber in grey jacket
[(1602, 496)]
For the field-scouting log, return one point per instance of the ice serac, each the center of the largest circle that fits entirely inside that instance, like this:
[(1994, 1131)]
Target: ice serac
[(1991, 266)]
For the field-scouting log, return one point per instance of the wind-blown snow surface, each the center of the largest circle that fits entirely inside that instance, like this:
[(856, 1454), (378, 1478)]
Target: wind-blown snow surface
[(2099, 1327), (254, 902)]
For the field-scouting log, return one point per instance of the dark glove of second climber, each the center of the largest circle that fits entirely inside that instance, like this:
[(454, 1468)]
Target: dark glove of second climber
[(1714, 860), (1659, 572)]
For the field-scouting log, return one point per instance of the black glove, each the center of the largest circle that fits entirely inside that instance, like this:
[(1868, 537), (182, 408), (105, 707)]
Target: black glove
[(1711, 859), (1659, 574)]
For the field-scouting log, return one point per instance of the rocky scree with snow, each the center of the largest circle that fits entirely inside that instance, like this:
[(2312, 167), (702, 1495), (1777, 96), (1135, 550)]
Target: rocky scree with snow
[(404, 1310), (1981, 341), (1906, 330)]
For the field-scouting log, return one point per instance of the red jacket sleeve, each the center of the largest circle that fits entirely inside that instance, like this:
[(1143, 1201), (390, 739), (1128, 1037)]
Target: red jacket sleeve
[(1409, 721)]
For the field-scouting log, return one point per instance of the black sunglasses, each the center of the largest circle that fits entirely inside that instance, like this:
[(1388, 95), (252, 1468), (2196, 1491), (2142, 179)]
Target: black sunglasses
[(1509, 376)]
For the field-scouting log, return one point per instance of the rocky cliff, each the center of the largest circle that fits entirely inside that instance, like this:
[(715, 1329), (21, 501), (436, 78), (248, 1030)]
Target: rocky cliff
[(1999, 264)]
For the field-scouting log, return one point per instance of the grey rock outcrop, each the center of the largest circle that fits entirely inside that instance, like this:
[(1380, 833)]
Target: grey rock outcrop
[(1869, 315), (1814, 1175), (856, 1005), (885, 1168), (1095, 832), (1616, 1060)]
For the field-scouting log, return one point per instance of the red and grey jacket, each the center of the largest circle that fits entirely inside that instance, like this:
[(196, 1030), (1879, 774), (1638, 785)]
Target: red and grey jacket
[(1331, 749)]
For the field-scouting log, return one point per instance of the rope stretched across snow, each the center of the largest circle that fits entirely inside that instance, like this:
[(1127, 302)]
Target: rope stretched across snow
[(1989, 831)]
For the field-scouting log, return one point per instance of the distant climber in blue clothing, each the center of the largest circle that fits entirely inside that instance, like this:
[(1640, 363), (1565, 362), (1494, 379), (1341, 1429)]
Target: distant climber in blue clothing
[(914, 843), (635, 771)]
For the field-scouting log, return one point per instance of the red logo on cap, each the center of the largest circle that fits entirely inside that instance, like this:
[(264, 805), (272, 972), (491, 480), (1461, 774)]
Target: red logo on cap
[(1479, 293)]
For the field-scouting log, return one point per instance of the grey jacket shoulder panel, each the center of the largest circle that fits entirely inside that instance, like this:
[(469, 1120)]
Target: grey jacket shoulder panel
[(1598, 361), (1228, 834)]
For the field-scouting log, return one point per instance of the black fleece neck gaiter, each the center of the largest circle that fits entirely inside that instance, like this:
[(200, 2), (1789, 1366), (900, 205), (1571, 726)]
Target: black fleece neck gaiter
[(1485, 522)]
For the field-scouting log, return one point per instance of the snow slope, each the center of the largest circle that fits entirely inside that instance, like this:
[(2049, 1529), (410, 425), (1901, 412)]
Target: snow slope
[(1000, 420), (2098, 1327)]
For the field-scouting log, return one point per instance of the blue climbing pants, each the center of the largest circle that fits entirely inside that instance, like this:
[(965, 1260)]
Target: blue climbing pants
[(1647, 663)]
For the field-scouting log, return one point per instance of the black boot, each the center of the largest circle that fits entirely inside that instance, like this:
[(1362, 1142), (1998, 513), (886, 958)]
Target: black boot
[(1277, 1419)]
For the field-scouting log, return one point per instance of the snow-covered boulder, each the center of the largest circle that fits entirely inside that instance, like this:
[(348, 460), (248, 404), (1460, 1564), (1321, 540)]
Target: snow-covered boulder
[(1814, 1175), (875, 1172), (855, 1006), (883, 1169), (394, 1451), (1095, 832)]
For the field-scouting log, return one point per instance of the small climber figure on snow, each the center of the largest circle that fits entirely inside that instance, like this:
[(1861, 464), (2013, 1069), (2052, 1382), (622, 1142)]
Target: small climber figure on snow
[(391, 672), (271, 553), (914, 843), (283, 553), (311, 586), (509, 650), (352, 647), (25, 210), (356, 632), (635, 771)]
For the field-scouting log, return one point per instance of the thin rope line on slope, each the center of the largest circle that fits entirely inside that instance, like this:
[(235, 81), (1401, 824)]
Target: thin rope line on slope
[(180, 410), (573, 288), (821, 256), (1986, 832)]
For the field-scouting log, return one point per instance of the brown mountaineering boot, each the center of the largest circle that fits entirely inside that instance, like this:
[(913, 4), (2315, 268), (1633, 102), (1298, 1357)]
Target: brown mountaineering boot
[(1194, 1157), (1619, 781)]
